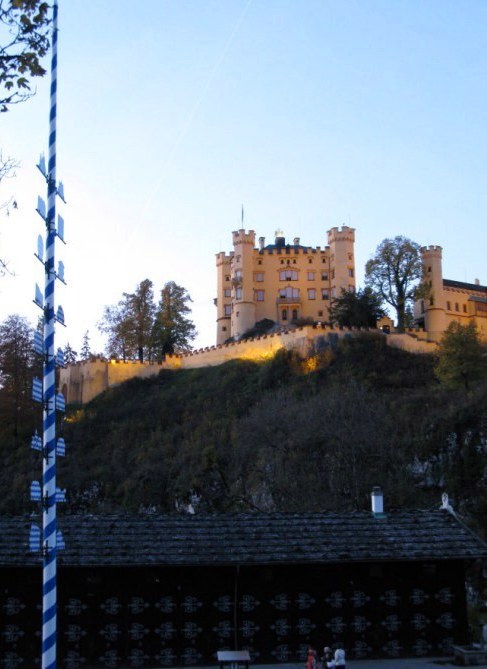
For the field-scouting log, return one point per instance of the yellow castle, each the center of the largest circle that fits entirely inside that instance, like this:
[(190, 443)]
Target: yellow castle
[(449, 300), (283, 282)]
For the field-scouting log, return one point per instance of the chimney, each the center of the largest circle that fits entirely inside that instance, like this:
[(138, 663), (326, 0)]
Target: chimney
[(261, 243), (477, 282), (377, 498), (296, 241)]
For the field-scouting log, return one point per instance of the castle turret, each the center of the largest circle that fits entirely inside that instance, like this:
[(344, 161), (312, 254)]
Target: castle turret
[(223, 300), (243, 306), (342, 264), (432, 306)]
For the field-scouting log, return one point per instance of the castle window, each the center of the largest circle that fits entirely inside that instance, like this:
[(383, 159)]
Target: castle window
[(288, 262), (227, 310), (294, 261), (238, 314), (456, 306), (448, 306), (238, 273), (464, 308), (295, 314), (259, 295), (350, 256), (288, 275), (224, 328), (282, 261), (238, 293), (311, 294), (259, 261), (311, 276), (259, 277), (288, 293), (227, 277), (227, 292), (350, 272), (320, 314), (284, 314), (238, 258), (310, 261), (325, 295), (429, 269), (324, 276), (323, 260)]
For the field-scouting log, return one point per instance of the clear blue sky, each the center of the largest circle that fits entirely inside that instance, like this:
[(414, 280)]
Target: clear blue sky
[(174, 113)]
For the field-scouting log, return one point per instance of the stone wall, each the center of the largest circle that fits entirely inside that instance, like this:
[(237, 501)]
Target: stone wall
[(83, 381)]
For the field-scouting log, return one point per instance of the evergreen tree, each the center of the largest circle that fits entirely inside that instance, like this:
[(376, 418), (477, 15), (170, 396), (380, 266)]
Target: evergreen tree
[(70, 355), (140, 311), (173, 330), (356, 309), (17, 367), (85, 346), (462, 358)]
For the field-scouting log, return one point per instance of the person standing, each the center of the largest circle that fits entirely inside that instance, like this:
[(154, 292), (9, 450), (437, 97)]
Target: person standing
[(328, 660), (340, 658)]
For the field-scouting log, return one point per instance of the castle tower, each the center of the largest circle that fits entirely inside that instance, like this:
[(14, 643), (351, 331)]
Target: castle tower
[(243, 306), (432, 306), (342, 263), (224, 299)]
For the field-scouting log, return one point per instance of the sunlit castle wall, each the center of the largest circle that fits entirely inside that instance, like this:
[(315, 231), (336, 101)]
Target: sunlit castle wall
[(283, 282), (448, 300)]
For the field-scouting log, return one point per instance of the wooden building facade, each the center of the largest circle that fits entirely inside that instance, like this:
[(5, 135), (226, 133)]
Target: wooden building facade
[(149, 590)]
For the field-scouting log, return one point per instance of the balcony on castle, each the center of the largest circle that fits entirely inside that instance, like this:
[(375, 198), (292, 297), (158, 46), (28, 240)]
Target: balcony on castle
[(288, 300)]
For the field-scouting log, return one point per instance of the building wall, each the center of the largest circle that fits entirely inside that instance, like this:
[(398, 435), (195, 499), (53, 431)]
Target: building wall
[(83, 381), (281, 281), (175, 617), (449, 300)]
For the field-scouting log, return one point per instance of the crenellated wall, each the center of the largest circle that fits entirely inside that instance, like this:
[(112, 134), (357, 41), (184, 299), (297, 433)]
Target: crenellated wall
[(83, 381)]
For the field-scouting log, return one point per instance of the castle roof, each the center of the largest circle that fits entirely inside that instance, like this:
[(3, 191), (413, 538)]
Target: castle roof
[(248, 539), (448, 283)]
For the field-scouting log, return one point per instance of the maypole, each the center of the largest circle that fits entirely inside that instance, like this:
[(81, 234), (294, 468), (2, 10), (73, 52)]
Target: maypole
[(45, 392)]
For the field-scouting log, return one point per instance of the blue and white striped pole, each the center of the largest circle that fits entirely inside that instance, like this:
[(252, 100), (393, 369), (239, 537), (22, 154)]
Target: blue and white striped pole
[(49, 572)]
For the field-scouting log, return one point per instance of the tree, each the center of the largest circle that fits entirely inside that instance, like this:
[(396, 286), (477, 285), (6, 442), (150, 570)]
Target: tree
[(462, 359), (141, 312), (116, 325), (70, 355), (129, 324), (17, 365), (356, 309), (85, 346), (173, 331), (26, 24), (394, 273)]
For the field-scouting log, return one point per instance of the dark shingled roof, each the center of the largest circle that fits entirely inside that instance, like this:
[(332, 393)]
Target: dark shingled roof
[(248, 539), (465, 286)]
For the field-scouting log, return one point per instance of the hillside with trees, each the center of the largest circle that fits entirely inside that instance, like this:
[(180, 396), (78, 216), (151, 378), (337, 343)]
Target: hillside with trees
[(288, 434)]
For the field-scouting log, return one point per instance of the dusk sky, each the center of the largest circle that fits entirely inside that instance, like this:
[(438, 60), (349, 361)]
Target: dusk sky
[(172, 114)]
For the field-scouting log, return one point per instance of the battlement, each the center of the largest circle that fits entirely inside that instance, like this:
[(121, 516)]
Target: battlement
[(243, 237), (222, 258), (431, 250), (83, 381), (343, 234)]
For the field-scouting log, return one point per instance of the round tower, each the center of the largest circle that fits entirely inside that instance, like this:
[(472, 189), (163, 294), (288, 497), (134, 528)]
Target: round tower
[(433, 304), (342, 259), (243, 305), (223, 297)]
